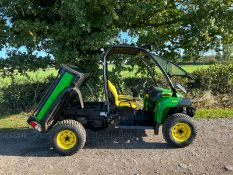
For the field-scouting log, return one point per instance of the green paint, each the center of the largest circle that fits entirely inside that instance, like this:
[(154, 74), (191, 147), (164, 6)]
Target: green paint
[(64, 83), (163, 104), (148, 104)]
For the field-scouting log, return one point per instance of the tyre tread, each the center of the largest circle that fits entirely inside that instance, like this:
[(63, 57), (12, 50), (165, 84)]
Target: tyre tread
[(166, 130), (72, 124)]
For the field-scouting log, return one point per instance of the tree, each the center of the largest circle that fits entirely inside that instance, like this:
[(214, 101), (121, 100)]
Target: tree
[(218, 56), (227, 52), (74, 31)]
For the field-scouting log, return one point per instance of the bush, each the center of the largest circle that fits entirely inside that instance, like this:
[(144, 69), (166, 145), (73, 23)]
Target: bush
[(22, 96), (212, 87), (217, 78)]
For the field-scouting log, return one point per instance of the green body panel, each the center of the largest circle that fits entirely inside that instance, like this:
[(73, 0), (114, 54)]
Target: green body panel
[(163, 104), (168, 92), (148, 104), (64, 83)]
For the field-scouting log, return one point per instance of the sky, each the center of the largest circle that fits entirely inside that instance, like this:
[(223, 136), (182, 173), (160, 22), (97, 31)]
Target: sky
[(3, 53), (124, 37), (21, 49)]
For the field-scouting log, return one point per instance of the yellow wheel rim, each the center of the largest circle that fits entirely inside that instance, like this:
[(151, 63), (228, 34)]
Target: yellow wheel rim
[(181, 132), (66, 139)]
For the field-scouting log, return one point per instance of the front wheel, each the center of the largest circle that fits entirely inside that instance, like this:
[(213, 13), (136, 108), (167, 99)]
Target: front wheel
[(179, 130), (68, 137)]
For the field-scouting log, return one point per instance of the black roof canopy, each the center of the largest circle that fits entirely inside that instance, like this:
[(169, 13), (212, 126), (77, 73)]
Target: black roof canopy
[(127, 50), (170, 68)]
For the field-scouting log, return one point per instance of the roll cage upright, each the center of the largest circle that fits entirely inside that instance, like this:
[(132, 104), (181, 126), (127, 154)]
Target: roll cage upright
[(129, 50)]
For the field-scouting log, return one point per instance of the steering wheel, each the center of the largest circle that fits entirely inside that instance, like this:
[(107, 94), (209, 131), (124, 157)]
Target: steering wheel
[(136, 89), (145, 85)]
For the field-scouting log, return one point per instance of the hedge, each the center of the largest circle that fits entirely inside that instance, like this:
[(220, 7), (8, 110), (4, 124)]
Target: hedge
[(217, 79)]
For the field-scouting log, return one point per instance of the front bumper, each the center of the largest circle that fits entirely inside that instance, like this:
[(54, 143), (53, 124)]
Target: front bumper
[(191, 111)]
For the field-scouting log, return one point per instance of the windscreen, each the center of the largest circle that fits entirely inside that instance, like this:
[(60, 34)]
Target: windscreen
[(170, 68)]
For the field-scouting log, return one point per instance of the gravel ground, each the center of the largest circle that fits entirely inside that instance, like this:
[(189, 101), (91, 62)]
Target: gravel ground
[(122, 152)]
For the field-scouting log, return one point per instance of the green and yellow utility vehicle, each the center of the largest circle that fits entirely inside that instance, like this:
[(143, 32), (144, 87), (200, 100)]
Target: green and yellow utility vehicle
[(65, 112)]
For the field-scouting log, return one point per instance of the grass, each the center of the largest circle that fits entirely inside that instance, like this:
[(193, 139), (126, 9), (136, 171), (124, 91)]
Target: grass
[(214, 113), (39, 75), (14, 121), (19, 121), (188, 68), (191, 68)]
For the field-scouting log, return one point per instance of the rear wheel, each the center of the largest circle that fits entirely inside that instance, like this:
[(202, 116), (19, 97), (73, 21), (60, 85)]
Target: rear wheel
[(179, 130), (68, 137)]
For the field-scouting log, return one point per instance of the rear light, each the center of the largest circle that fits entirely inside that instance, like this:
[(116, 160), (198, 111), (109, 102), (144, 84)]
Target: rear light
[(33, 124), (36, 126)]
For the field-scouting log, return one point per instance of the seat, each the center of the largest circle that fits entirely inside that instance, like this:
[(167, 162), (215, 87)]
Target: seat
[(120, 100)]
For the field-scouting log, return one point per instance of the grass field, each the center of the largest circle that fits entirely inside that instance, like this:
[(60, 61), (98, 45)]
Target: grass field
[(191, 68), (214, 113), (40, 75), (19, 121), (14, 121)]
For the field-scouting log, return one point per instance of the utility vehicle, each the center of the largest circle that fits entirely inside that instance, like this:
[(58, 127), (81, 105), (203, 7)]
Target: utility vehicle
[(66, 113)]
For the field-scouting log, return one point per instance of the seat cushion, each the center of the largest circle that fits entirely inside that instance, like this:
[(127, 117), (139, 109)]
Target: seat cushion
[(130, 104), (125, 97), (121, 100)]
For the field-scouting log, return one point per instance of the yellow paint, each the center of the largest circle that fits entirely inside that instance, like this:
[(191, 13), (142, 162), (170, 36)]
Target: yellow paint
[(119, 98), (181, 132), (66, 139)]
